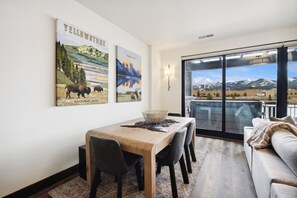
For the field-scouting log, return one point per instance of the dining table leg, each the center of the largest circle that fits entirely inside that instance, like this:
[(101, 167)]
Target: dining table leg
[(149, 173)]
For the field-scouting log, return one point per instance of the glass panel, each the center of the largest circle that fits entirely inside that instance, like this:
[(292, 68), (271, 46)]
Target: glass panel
[(250, 88), (292, 81), (204, 92)]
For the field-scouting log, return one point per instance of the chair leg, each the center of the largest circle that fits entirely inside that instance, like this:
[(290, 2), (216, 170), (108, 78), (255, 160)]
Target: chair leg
[(173, 181), (96, 181), (184, 170), (139, 176), (159, 168), (120, 183), (188, 160), (192, 152), (143, 178)]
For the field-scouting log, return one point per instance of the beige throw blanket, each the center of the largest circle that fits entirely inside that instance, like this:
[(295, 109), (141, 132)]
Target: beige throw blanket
[(260, 137)]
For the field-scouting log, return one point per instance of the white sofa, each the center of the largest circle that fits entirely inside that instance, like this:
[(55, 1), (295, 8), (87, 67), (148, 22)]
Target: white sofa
[(272, 176)]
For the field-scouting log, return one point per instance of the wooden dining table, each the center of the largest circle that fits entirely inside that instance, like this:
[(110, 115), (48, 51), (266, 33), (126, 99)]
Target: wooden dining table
[(139, 141)]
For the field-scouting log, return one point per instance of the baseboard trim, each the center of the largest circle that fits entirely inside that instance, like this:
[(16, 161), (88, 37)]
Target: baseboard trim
[(43, 184)]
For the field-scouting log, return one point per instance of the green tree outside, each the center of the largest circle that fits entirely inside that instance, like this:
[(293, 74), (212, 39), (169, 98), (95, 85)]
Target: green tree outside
[(233, 96), (209, 96)]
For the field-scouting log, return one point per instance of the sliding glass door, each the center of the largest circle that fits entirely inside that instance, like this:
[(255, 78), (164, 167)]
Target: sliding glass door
[(204, 96), (250, 86), (292, 82), (224, 93)]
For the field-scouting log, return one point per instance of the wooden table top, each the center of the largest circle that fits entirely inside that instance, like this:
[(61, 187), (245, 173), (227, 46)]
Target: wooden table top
[(130, 138)]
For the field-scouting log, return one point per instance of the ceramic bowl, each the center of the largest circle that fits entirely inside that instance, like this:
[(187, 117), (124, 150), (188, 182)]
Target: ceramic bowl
[(155, 116)]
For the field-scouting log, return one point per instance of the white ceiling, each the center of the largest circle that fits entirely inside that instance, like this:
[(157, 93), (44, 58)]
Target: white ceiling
[(177, 22)]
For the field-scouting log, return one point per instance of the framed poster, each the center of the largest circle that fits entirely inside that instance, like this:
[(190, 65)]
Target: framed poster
[(128, 75), (81, 66)]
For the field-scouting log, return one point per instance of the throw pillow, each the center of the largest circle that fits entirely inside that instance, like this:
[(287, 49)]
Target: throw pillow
[(257, 121), (288, 119)]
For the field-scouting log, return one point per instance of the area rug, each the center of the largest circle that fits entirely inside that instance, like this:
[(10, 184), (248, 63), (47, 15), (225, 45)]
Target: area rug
[(76, 188)]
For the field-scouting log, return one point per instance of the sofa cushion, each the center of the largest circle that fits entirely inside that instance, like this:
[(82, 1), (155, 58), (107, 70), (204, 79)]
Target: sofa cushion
[(269, 168), (283, 191), (285, 145), (288, 119)]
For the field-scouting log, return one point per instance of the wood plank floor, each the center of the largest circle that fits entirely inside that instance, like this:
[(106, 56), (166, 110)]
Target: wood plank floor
[(224, 172)]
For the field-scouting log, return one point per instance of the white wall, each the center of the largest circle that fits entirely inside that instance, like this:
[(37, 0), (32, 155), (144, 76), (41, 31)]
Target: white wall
[(38, 139), (156, 74), (171, 100)]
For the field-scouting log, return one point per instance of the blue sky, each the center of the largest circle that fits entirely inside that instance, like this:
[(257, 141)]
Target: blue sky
[(267, 71)]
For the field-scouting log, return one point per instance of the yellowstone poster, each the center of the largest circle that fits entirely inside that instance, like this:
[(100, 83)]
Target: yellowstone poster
[(128, 76), (81, 66)]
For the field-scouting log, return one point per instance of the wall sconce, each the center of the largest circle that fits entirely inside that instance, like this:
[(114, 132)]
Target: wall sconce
[(169, 72)]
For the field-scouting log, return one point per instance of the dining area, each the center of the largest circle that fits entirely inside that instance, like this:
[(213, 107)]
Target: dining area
[(157, 139)]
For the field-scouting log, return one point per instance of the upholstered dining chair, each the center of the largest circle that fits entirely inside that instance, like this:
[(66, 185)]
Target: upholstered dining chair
[(109, 158), (189, 145), (170, 155)]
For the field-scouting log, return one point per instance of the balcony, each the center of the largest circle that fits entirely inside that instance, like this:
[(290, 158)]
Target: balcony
[(238, 113)]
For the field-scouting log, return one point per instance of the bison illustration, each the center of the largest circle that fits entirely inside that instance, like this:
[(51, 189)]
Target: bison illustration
[(135, 95), (78, 88), (98, 89)]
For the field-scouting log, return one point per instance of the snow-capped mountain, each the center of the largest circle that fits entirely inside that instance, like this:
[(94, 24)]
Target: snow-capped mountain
[(262, 84), (127, 70), (245, 84), (292, 83)]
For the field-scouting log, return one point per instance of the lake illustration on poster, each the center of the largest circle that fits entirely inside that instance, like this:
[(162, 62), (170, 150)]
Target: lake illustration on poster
[(128, 73)]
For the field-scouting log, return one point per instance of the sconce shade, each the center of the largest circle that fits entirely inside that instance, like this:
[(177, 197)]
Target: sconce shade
[(169, 71)]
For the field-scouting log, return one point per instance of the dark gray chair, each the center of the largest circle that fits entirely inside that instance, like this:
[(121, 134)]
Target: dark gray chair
[(170, 156), (109, 158), (189, 145)]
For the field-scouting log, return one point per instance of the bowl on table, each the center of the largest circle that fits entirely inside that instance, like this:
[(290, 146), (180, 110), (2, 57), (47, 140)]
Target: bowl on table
[(155, 116)]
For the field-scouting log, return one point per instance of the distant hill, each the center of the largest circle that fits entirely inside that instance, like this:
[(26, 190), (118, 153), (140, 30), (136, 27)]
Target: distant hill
[(245, 84), (89, 52)]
